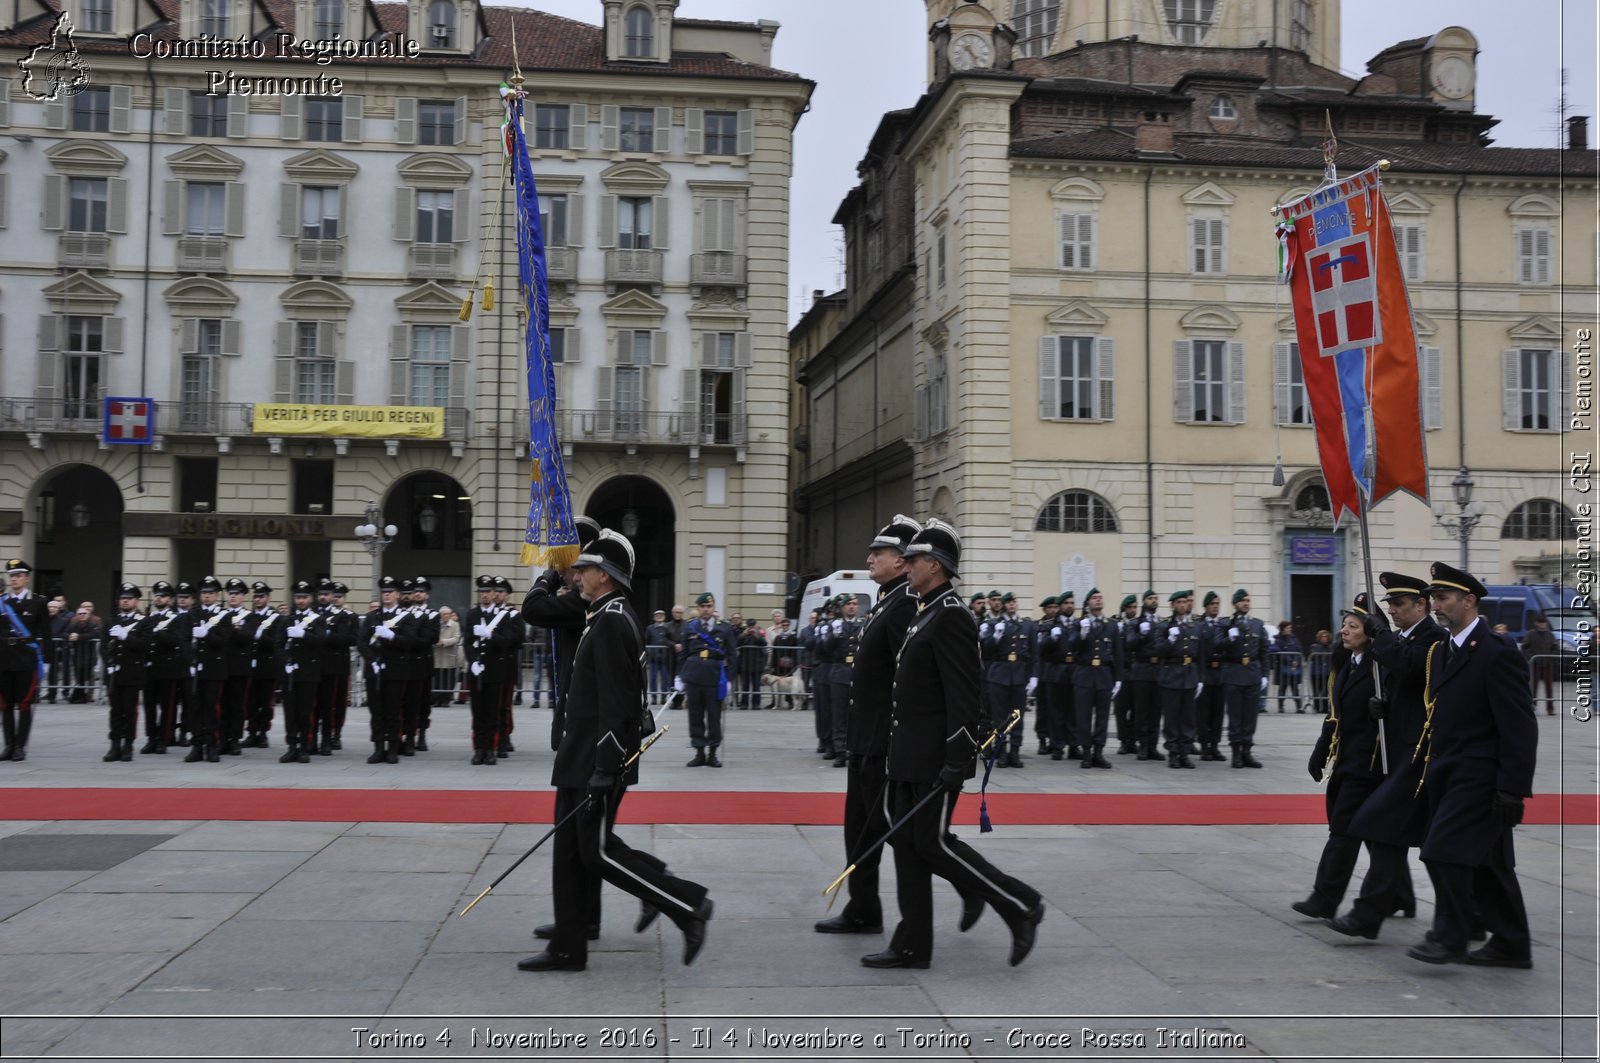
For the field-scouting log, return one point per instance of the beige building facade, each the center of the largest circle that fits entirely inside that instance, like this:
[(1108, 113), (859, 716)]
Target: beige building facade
[(214, 231), (1099, 331)]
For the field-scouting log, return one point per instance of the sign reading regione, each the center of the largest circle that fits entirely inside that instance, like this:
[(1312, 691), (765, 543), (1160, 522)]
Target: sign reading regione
[(380, 422), (129, 421)]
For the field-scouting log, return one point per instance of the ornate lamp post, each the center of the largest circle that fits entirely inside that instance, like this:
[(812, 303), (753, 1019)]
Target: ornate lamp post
[(375, 539), (1471, 513)]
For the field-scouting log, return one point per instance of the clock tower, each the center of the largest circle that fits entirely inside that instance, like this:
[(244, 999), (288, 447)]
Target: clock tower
[(965, 35)]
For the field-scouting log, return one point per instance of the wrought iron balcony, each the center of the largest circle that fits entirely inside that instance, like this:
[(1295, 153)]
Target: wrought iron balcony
[(640, 428), (633, 267)]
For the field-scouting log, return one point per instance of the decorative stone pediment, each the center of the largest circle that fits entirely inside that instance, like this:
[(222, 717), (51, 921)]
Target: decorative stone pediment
[(1538, 331), (1079, 313), (1078, 190), (936, 335), (1209, 194), (1534, 205), (1408, 203), (635, 178), (1424, 326), (428, 300), (635, 305), (436, 170), (79, 293), (317, 299), (1294, 195), (199, 297), (204, 161), (1210, 317), (320, 165), (91, 158)]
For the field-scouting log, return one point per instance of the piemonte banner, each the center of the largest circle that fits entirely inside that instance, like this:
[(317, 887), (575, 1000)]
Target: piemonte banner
[(1358, 350)]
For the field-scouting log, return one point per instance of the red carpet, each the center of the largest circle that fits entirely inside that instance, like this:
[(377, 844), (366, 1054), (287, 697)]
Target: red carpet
[(479, 806)]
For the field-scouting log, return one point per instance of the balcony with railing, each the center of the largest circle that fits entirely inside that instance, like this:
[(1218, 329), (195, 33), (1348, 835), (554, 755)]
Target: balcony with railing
[(561, 263), (716, 269), (640, 428), (433, 261), (319, 258), (86, 250), (633, 267), (202, 254), (177, 418)]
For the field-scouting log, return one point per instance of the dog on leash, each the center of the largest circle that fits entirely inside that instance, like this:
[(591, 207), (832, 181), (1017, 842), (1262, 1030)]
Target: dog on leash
[(789, 687)]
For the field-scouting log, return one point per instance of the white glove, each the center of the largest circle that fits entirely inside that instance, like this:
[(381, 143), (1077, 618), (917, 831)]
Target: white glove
[(289, 668), (677, 684), (1198, 687), (1115, 687), (296, 632), (1263, 684), (983, 630), (1033, 681), (1144, 628), (838, 626), (1083, 625), (118, 632), (477, 668), (481, 630), (193, 671), (198, 634), (383, 633), (1233, 632), (999, 628), (1172, 632)]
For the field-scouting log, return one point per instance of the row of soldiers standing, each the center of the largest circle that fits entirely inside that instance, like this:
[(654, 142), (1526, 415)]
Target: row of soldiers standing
[(1169, 679)]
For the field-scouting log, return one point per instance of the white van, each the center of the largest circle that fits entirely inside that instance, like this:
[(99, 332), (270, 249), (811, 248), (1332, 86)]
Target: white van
[(853, 581)]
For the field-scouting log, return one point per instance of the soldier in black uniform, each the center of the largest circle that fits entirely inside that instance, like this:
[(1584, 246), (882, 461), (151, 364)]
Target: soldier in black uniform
[(333, 690), (1181, 644), (494, 639), (707, 645), (23, 637), (168, 668), (1095, 645), (604, 726), (210, 631), (419, 715), (266, 635), (124, 653), (237, 623), (1208, 703), (1140, 634), (1395, 817), (1047, 672), (932, 750), (1244, 647), (822, 660), (838, 640), (1009, 640), (392, 635), (182, 629), (555, 605), (1480, 739), (304, 639)]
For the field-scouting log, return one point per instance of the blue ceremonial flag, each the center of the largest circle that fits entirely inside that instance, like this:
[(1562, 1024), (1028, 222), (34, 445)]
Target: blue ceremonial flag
[(551, 538)]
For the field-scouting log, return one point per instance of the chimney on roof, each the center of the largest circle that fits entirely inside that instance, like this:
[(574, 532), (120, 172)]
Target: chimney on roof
[(1578, 132), (817, 294), (1153, 133)]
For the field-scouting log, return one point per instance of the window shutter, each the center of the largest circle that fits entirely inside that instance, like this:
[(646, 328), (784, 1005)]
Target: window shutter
[(327, 339), (405, 120), (658, 347), (188, 336), (1105, 353), (574, 220), (5, 199), (689, 402), (213, 381), (661, 130), (1282, 377), (746, 141), (1049, 378), (343, 228), (578, 126), (5, 103), (614, 346), (1183, 381), (658, 220), (172, 208), (238, 116), (458, 384), (233, 209), (344, 383), (458, 121), (602, 399), (399, 365), (55, 202), (462, 222), (708, 350), (354, 108), (283, 363), (116, 205), (1413, 252), (405, 214), (1541, 256), (111, 333), (1086, 241), (742, 355), (1510, 392), (1564, 388), (607, 236), (122, 108), (55, 114), (289, 211), (919, 413), (738, 426), (292, 114), (49, 359), (1432, 359), (177, 103), (1235, 383), (646, 396), (610, 121), (694, 130), (231, 334), (1197, 243)]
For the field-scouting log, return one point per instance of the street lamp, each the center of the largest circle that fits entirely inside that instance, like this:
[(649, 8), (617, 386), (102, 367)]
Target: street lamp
[(375, 539), (1471, 512)]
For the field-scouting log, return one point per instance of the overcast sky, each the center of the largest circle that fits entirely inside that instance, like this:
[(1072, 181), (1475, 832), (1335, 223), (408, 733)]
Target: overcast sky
[(869, 56)]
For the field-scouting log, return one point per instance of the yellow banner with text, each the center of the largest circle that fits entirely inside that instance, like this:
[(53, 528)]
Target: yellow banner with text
[(382, 422)]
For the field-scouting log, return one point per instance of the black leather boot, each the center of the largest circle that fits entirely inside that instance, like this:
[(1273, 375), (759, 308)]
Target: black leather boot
[(1098, 759), (1246, 760), (1238, 757), (115, 753)]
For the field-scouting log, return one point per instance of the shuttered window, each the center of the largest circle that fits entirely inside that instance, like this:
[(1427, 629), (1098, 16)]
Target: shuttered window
[(1289, 403), (430, 365), (1408, 241), (1533, 255), (1207, 248), (1076, 231)]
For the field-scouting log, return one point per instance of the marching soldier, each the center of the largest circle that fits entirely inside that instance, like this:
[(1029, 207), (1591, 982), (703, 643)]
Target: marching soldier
[(839, 640), (266, 634), (210, 632), (1394, 817), (26, 631), (168, 669), (1010, 644), (305, 636), (1244, 677), (1141, 633), (1095, 646), (932, 751), (605, 711), (1181, 648), (124, 653), (707, 644), (333, 690), (555, 605)]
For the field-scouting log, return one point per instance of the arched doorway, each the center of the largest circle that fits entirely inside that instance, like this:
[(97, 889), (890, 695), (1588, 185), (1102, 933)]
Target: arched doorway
[(433, 516), (638, 508), (78, 537)]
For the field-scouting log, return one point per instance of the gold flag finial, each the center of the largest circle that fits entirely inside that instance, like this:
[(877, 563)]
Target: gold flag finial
[(516, 61)]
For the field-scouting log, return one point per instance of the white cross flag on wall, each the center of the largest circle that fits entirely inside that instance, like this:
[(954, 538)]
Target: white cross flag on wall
[(129, 421)]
